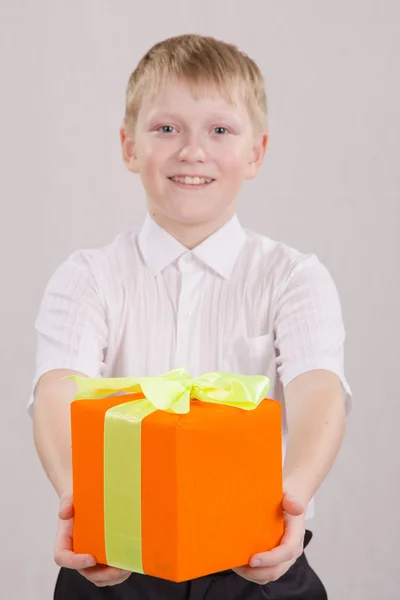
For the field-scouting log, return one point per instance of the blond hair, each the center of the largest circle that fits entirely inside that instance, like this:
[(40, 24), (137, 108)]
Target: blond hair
[(202, 62)]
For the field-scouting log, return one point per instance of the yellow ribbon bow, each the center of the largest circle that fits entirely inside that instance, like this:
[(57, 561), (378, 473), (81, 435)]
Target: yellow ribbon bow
[(173, 390)]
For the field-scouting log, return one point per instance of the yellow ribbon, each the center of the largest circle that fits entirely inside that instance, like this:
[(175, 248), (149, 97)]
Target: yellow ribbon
[(170, 392)]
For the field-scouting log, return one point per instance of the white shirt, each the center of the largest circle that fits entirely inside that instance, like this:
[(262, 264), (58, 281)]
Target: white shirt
[(238, 302)]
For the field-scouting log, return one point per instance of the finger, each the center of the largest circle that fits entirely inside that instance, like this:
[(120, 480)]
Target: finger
[(70, 560), (294, 531), (106, 582), (289, 548), (286, 551), (66, 510), (273, 558), (292, 506), (263, 575), (104, 572), (64, 535), (63, 552), (102, 575)]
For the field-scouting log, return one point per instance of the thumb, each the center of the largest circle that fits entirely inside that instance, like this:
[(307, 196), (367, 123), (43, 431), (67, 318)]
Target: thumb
[(66, 510), (291, 505)]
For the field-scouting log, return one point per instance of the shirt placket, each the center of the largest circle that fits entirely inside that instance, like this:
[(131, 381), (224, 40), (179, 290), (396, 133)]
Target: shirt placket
[(185, 313)]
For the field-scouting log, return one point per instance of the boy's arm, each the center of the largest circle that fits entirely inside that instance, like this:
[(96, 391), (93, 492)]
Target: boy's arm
[(316, 424), (51, 426), (309, 337)]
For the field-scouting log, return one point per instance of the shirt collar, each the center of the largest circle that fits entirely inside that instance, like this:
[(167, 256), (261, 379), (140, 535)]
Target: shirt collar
[(219, 251)]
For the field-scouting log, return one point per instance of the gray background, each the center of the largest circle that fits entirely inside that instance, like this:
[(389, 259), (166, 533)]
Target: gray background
[(330, 185)]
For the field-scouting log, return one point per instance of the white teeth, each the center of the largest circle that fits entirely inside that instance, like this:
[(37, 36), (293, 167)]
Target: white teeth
[(192, 180)]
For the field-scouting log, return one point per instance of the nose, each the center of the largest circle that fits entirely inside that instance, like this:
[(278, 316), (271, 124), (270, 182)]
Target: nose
[(192, 153)]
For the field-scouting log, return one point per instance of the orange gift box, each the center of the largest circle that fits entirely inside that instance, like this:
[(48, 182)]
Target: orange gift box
[(180, 488)]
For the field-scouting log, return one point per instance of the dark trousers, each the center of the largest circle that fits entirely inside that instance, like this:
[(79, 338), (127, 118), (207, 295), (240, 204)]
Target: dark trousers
[(300, 582)]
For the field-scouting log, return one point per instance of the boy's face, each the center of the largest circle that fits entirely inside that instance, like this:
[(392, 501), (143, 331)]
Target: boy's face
[(206, 139)]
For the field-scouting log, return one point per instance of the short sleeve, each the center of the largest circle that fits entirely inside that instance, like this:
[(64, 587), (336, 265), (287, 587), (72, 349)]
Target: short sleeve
[(71, 327), (309, 329)]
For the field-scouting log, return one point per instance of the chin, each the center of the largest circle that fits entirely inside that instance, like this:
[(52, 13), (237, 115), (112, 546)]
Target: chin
[(184, 213), (193, 217)]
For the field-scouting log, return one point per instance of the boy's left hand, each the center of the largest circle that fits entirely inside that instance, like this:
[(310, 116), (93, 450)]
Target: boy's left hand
[(273, 564)]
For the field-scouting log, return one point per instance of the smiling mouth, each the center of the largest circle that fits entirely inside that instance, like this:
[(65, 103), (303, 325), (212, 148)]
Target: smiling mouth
[(192, 182)]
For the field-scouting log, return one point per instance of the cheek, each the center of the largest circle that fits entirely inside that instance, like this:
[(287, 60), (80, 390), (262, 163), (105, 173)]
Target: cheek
[(234, 167), (233, 161), (152, 162)]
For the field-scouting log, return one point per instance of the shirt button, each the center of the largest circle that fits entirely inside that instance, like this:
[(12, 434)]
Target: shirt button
[(186, 261), (187, 314)]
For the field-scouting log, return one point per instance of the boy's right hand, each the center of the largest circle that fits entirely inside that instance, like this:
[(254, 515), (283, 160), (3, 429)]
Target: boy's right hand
[(100, 575)]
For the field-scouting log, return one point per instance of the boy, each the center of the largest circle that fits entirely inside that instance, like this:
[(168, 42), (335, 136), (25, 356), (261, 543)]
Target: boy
[(192, 288)]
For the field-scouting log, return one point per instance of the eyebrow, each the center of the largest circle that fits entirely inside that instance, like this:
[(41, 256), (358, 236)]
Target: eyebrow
[(217, 116), (159, 113)]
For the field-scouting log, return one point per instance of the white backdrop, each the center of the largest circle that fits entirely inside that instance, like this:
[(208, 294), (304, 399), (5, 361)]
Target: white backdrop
[(330, 185)]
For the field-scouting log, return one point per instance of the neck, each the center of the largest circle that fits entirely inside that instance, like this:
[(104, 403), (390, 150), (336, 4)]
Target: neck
[(190, 235)]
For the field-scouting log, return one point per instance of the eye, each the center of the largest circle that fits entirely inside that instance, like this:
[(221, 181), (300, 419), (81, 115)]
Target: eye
[(166, 128), (221, 130)]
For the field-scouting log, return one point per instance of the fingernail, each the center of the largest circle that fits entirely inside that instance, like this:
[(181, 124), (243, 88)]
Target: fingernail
[(89, 562), (255, 563)]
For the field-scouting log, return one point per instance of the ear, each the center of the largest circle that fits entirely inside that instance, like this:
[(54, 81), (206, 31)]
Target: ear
[(257, 155), (128, 150)]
